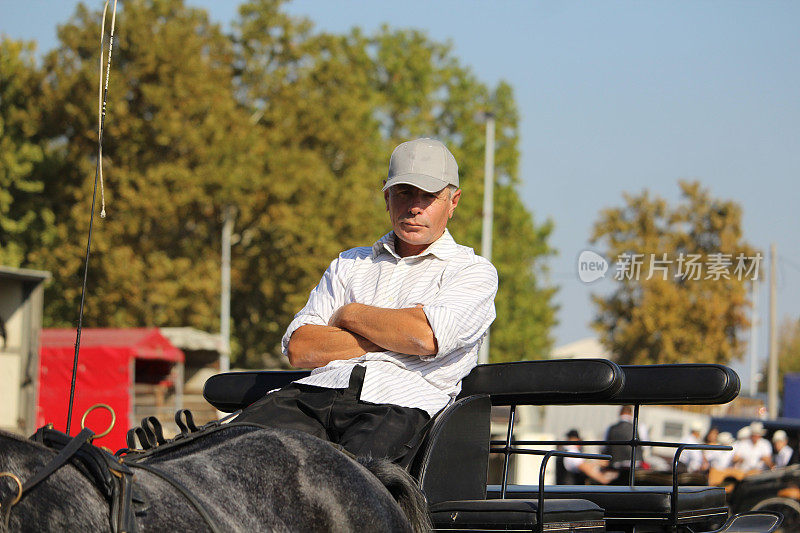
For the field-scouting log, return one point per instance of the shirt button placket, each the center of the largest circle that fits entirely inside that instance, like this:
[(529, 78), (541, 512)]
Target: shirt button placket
[(396, 282)]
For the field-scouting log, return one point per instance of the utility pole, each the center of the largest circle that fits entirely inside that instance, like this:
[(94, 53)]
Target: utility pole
[(773, 338), (225, 308), (754, 323), (488, 213)]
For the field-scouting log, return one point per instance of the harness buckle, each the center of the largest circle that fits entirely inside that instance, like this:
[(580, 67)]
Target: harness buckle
[(13, 502)]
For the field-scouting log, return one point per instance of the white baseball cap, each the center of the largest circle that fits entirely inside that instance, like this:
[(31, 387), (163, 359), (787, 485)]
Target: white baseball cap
[(725, 438), (424, 163), (780, 435)]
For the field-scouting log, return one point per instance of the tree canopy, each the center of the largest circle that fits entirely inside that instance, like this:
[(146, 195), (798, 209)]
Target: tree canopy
[(681, 278), (20, 153), (290, 126)]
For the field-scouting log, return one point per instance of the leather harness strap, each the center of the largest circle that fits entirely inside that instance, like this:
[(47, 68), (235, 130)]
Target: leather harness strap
[(183, 490), (120, 492), (58, 461)]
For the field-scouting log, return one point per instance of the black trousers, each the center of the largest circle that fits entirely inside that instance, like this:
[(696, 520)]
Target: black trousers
[(339, 416)]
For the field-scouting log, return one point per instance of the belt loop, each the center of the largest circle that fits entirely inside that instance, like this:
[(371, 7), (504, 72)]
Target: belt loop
[(356, 381)]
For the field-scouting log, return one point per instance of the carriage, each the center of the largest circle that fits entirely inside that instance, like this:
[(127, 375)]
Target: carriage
[(451, 462)]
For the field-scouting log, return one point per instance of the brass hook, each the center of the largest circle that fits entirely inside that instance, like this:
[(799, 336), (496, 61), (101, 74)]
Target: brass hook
[(97, 406), (19, 486)]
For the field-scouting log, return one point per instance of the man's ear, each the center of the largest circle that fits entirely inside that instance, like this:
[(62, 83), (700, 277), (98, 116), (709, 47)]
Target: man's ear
[(454, 202)]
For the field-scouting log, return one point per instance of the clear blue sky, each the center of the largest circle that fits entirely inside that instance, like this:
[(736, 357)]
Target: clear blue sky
[(614, 96)]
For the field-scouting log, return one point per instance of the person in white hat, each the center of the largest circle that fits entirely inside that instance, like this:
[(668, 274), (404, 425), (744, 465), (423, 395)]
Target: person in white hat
[(392, 328), (694, 460), (721, 459), (782, 452), (755, 453)]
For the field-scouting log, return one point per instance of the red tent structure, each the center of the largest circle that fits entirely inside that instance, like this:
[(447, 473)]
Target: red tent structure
[(114, 366)]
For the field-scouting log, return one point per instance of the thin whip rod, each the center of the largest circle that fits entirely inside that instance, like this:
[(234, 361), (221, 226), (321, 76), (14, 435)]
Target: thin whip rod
[(97, 175)]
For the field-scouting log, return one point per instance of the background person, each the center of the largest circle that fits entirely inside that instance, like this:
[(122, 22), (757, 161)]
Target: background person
[(694, 460), (782, 452), (578, 469), (622, 430), (712, 436), (753, 454), (721, 459)]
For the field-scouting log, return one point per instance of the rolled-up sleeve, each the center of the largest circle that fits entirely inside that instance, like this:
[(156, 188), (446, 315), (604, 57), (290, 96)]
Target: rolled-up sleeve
[(322, 302), (463, 309)]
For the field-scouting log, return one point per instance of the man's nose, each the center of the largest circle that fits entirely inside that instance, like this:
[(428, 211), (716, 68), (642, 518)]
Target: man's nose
[(416, 205)]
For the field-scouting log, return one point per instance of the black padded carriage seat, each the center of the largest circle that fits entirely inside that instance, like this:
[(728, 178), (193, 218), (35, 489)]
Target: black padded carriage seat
[(567, 516), (625, 506)]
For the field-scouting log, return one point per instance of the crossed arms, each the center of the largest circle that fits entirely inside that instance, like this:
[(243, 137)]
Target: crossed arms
[(355, 329)]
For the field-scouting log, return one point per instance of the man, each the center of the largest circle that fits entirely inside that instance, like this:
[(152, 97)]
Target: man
[(783, 452), (391, 329), (694, 460), (722, 459), (577, 469), (622, 430), (755, 453)]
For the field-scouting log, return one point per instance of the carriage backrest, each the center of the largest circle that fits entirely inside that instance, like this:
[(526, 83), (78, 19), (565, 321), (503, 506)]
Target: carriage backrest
[(545, 382), (677, 384), (453, 460), (452, 464), (596, 381)]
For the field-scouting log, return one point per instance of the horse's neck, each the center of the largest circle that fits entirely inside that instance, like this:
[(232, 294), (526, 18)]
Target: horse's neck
[(73, 503), (21, 456)]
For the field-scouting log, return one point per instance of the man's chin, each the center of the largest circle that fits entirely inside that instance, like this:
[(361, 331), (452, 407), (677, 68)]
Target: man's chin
[(413, 238)]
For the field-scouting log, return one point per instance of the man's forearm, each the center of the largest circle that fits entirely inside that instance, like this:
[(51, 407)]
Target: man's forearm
[(312, 346), (399, 330)]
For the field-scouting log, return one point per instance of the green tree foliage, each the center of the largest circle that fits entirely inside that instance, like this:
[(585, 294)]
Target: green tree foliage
[(21, 218), (176, 150), (673, 317), (292, 127)]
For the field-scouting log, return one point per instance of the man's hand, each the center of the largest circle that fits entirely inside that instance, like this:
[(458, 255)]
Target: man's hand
[(399, 330)]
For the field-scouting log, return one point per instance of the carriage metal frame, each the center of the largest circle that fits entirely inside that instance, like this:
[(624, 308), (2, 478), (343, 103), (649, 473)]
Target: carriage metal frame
[(452, 462)]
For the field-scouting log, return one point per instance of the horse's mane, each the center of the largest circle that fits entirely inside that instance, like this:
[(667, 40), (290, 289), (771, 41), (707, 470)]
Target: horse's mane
[(22, 443)]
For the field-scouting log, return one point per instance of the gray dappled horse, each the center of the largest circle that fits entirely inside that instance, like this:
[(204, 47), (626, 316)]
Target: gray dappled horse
[(245, 478)]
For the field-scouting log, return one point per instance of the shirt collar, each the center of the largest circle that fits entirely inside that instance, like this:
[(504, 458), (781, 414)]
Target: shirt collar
[(442, 248)]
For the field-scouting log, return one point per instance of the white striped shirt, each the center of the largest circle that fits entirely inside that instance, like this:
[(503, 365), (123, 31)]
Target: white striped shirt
[(457, 290)]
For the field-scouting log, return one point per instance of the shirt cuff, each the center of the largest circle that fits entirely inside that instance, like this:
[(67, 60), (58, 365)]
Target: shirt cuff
[(443, 325), (299, 321)]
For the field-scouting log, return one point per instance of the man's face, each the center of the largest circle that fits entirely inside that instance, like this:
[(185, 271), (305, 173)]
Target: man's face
[(419, 217)]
